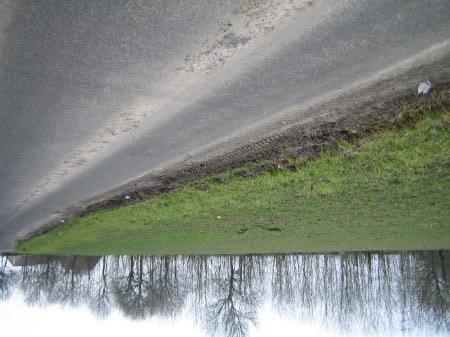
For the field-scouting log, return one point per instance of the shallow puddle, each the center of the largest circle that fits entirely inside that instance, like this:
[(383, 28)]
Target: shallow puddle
[(347, 294)]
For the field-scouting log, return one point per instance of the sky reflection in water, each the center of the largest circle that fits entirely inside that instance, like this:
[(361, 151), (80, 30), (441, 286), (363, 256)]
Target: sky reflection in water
[(348, 294)]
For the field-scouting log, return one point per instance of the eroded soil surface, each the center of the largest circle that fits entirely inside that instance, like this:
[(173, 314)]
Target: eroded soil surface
[(108, 104), (304, 140)]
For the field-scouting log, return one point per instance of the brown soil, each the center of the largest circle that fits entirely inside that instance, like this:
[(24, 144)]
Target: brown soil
[(347, 117)]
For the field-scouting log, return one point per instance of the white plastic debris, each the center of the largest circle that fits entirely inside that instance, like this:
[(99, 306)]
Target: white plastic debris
[(219, 217), (424, 87), (127, 197), (61, 220)]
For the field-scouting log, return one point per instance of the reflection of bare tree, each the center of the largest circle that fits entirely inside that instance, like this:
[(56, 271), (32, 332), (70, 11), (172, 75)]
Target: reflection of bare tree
[(167, 292), (129, 290), (365, 291), (38, 284), (151, 287), (236, 300), (100, 300), (7, 279), (369, 291), (433, 290)]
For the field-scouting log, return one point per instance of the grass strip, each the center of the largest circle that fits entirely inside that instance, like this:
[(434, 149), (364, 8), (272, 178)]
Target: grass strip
[(387, 191)]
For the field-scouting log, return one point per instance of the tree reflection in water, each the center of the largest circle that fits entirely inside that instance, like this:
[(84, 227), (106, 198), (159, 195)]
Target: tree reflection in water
[(370, 291)]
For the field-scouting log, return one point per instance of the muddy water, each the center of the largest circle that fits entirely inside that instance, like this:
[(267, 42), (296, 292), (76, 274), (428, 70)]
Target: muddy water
[(349, 294)]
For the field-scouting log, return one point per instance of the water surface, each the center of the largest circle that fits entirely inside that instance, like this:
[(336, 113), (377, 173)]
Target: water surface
[(348, 294)]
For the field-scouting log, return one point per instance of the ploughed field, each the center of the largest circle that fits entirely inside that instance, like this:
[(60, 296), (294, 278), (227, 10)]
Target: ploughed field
[(388, 190)]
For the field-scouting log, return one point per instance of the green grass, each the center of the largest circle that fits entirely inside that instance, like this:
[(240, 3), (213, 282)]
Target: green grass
[(387, 191)]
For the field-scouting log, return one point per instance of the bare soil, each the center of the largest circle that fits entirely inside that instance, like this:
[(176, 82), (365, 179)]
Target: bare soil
[(385, 104)]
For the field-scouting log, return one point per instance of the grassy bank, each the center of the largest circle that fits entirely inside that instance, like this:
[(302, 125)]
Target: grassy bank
[(387, 191)]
